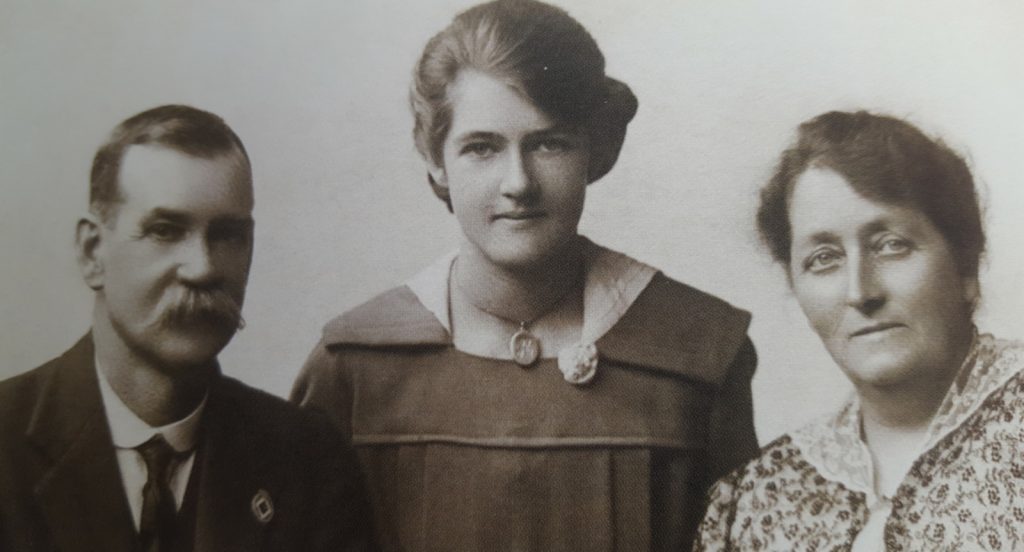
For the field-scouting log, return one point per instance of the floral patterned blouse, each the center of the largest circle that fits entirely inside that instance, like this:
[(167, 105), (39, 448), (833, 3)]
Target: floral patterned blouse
[(812, 489)]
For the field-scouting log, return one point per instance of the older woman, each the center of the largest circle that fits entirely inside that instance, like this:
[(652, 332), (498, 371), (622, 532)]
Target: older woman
[(879, 230), (532, 391)]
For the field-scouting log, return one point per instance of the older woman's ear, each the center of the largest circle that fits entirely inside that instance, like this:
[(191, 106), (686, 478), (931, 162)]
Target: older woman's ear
[(972, 291)]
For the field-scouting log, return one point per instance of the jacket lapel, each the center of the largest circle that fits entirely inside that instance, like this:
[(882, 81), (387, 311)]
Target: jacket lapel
[(233, 473), (81, 494)]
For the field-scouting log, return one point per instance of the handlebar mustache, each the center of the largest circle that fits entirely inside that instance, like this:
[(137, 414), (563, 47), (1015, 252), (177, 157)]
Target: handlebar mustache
[(197, 305)]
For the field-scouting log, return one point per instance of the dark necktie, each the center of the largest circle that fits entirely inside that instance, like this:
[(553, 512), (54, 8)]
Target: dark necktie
[(158, 510)]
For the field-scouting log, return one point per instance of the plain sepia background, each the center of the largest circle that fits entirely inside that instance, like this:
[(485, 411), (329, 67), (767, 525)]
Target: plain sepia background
[(317, 91)]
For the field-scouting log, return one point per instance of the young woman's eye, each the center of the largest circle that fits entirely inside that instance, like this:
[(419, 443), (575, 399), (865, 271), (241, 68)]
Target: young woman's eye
[(479, 149), (554, 145), (822, 261), (165, 232)]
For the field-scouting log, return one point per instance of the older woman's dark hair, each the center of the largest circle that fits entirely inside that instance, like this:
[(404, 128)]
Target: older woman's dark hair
[(179, 127), (539, 49), (884, 159)]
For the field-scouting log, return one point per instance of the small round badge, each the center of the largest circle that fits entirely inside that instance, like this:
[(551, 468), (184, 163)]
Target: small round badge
[(578, 363), (525, 347), (262, 506)]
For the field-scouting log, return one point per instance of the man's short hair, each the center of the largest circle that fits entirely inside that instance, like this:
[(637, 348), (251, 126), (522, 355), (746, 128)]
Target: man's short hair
[(182, 128)]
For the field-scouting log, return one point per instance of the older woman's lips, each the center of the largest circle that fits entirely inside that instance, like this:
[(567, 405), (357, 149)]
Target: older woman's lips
[(876, 328)]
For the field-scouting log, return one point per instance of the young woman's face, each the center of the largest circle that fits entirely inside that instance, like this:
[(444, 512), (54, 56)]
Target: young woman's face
[(878, 283), (517, 179)]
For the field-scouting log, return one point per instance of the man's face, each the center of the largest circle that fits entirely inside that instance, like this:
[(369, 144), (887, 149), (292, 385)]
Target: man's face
[(173, 259)]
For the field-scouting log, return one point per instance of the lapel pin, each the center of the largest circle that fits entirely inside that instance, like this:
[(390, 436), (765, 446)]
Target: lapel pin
[(262, 506)]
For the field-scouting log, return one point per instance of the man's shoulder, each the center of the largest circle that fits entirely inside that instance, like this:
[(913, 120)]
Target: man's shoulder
[(17, 397), (20, 394), (273, 418)]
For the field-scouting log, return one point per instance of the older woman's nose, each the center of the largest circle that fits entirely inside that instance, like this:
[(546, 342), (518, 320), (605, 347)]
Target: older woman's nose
[(517, 180), (864, 290)]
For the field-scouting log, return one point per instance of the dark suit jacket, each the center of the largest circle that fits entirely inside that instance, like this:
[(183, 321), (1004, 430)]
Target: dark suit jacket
[(60, 486)]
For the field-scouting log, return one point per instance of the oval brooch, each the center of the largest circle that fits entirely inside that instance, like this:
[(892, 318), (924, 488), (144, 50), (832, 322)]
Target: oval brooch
[(578, 363)]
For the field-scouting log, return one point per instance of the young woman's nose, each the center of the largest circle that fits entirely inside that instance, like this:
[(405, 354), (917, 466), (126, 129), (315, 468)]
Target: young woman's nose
[(517, 181)]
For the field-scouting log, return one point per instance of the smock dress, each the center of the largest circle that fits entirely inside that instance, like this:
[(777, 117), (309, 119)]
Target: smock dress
[(611, 448)]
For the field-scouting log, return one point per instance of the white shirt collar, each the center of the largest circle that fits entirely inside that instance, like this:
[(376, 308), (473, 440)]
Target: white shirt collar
[(129, 431), (612, 283)]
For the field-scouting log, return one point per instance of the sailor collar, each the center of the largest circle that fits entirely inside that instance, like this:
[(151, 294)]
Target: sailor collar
[(612, 282), (631, 312)]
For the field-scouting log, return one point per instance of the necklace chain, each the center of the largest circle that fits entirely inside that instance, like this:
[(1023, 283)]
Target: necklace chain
[(524, 325), (523, 346)]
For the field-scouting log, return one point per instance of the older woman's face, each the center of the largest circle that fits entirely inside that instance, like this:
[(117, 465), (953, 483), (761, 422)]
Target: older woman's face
[(516, 178), (877, 282)]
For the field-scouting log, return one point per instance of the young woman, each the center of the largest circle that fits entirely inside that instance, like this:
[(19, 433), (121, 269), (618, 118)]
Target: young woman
[(880, 233), (533, 391)]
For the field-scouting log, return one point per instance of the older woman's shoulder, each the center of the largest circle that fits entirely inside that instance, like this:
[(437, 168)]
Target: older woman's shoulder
[(395, 317), (777, 461)]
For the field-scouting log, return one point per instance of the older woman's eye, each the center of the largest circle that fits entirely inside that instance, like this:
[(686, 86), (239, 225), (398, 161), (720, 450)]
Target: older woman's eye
[(822, 261), (893, 246)]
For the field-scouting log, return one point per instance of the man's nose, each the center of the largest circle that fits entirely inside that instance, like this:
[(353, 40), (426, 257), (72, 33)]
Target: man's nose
[(517, 182), (864, 289), (197, 265)]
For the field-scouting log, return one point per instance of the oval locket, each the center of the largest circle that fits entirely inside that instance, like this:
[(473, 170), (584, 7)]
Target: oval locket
[(524, 347)]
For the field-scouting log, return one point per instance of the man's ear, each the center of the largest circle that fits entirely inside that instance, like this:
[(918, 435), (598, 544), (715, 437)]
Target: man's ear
[(88, 245)]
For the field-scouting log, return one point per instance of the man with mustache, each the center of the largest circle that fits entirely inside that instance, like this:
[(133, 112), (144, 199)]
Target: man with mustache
[(132, 439)]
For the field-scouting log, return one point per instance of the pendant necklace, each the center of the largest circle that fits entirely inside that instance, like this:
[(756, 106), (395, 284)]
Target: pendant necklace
[(523, 346)]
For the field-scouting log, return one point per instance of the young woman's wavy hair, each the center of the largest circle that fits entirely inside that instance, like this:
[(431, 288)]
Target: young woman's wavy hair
[(540, 50)]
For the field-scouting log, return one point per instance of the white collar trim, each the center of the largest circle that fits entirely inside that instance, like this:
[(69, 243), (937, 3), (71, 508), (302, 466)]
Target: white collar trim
[(612, 283)]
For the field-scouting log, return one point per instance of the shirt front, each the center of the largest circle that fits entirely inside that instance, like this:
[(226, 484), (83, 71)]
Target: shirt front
[(129, 431)]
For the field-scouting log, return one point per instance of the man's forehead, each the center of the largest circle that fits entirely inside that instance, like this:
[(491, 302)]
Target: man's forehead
[(156, 177), (157, 156)]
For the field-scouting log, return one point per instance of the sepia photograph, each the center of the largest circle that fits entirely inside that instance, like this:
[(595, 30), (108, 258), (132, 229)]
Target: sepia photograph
[(567, 275)]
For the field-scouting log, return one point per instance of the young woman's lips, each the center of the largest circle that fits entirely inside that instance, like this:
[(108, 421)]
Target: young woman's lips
[(519, 215), (876, 328)]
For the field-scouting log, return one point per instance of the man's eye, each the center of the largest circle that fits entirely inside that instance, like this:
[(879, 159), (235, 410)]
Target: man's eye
[(164, 231), (479, 149), (822, 261), (234, 235)]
